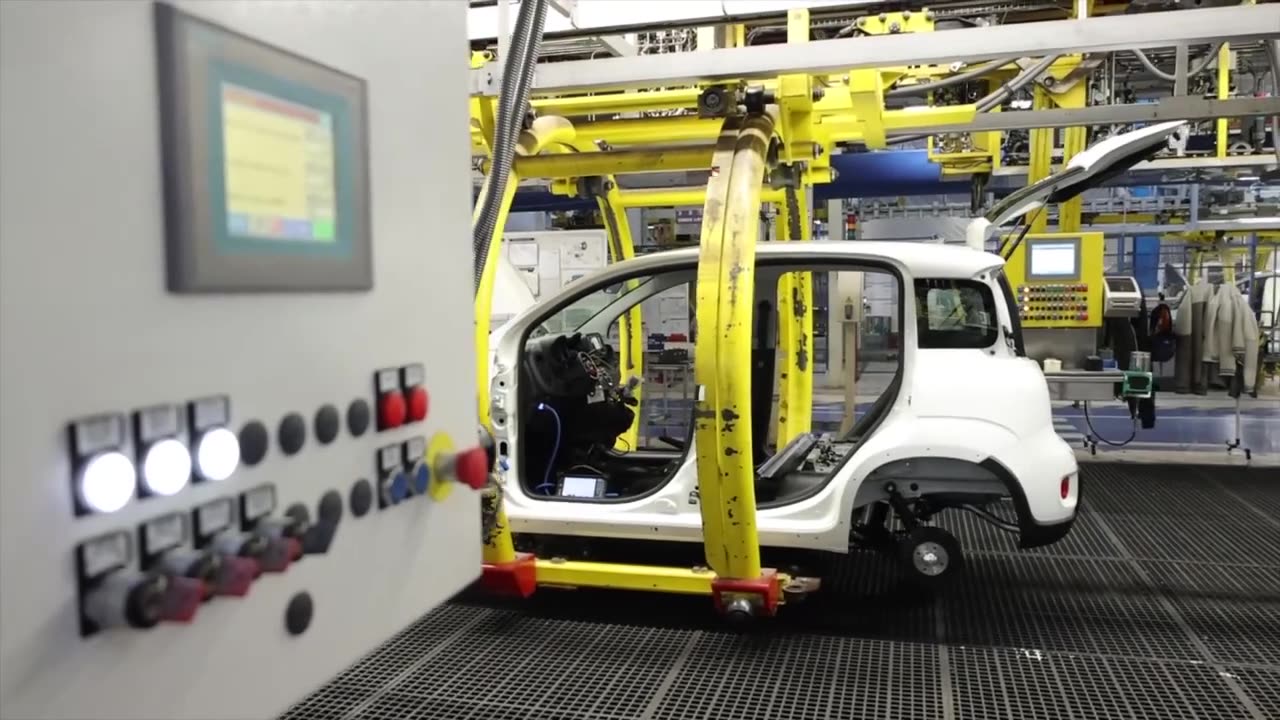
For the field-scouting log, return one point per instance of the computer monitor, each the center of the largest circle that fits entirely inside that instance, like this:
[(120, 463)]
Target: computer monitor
[(1055, 259), (266, 165)]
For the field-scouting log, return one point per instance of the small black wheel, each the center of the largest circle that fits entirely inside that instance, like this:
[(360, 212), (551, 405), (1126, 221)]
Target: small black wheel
[(931, 556)]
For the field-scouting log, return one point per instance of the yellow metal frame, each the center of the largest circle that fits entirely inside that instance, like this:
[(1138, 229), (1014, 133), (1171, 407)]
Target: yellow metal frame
[(795, 331), (807, 115), (722, 348), (615, 576)]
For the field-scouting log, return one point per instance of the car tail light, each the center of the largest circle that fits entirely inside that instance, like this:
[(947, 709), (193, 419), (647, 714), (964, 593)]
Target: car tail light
[(1066, 486)]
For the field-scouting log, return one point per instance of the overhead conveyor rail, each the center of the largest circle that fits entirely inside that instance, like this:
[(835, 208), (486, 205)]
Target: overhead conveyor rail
[(1040, 39)]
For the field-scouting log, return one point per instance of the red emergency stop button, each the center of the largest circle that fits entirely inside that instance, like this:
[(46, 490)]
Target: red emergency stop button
[(472, 468), (418, 402), (391, 410)]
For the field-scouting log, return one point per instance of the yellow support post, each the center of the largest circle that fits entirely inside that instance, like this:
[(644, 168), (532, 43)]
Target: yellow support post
[(630, 333), (722, 349), (795, 328), (1074, 140), (499, 548), (545, 131), (1224, 91), (1040, 164)]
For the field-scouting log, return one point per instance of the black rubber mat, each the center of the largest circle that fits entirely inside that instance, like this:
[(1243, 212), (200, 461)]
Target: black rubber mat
[(1163, 604)]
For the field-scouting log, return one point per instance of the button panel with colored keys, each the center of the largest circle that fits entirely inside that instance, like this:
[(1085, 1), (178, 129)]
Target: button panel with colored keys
[(1066, 302)]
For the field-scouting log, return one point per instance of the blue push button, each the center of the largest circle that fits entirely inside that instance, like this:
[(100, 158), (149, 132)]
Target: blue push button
[(393, 488), (421, 479), (399, 487)]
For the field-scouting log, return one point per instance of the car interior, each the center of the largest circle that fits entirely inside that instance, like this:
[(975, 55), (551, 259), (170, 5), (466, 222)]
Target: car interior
[(575, 404)]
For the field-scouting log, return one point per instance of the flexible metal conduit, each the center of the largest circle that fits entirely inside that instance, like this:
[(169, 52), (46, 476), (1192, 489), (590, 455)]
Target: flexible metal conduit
[(967, 75), (994, 99), (513, 102), (1191, 71)]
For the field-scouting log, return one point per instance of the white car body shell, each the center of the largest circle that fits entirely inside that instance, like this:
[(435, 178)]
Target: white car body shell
[(954, 409), (972, 406)]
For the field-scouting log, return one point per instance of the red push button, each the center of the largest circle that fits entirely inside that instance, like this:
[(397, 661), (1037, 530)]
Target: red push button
[(472, 468), (391, 410), (419, 403)]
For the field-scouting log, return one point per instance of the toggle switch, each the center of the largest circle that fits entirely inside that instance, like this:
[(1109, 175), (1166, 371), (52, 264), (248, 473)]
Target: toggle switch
[(392, 408), (216, 448), (205, 567), (125, 599), (181, 599), (235, 576), (285, 531), (417, 402), (279, 553), (234, 544), (104, 478)]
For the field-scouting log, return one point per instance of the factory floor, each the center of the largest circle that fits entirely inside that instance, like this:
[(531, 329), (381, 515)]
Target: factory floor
[(1162, 604)]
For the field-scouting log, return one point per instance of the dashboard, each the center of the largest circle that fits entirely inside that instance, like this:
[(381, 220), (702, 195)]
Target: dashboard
[(571, 365)]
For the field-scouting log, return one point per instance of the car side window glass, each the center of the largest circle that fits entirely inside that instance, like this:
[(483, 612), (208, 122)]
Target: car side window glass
[(953, 314)]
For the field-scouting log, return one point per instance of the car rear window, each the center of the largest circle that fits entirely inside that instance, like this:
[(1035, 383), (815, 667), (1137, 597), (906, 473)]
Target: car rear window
[(953, 314)]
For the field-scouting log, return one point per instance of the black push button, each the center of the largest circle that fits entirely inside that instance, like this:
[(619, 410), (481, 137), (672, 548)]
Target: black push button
[(327, 424), (361, 497), (292, 434), (254, 442), (358, 417)]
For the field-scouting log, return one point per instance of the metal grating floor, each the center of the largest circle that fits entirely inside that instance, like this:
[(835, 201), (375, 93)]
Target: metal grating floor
[(1163, 604)]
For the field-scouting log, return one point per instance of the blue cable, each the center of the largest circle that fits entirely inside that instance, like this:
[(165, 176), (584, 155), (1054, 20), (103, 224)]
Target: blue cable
[(547, 487)]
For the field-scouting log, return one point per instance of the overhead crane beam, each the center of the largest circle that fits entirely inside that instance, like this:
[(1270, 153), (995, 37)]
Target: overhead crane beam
[(690, 128), (1237, 25)]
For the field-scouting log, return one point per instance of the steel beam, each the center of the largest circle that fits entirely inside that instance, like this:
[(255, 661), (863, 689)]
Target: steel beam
[(1170, 108), (1183, 164), (1237, 25)]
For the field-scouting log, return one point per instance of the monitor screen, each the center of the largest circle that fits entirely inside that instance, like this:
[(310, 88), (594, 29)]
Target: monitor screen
[(581, 486), (1053, 260), (1122, 284), (279, 168), (266, 162)]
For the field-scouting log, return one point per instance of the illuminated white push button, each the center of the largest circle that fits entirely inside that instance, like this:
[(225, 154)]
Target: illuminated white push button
[(107, 482), (217, 454), (166, 467)]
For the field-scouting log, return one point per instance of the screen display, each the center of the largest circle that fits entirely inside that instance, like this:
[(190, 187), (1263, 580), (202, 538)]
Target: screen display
[(580, 486), (279, 170), (1052, 260)]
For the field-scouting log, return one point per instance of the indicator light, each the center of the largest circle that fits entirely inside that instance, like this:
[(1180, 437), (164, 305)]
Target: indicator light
[(166, 467), (107, 482), (217, 454)]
